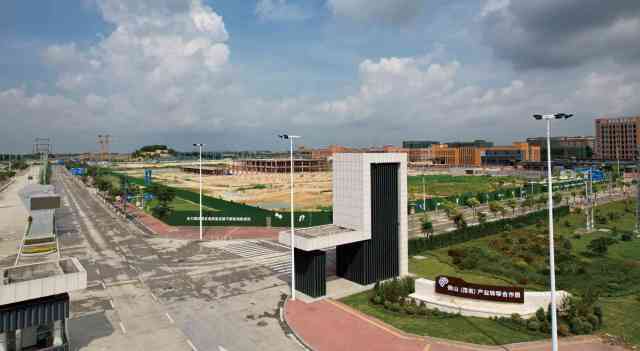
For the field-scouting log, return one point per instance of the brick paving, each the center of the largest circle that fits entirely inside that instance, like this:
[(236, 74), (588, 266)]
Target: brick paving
[(328, 325)]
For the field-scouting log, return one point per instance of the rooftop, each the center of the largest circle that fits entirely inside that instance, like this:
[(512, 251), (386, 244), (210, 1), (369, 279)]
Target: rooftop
[(322, 230)]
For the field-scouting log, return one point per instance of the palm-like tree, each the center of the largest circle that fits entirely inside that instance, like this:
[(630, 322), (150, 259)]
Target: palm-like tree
[(473, 203), (513, 204)]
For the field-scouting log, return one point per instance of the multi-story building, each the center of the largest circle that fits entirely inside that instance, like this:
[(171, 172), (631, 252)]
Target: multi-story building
[(617, 138), (566, 147), (418, 144)]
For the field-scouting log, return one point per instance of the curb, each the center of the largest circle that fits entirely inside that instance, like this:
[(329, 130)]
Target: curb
[(290, 332)]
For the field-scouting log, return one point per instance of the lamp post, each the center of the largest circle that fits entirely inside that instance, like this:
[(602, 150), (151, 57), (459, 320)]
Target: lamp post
[(199, 146), (293, 261), (552, 268)]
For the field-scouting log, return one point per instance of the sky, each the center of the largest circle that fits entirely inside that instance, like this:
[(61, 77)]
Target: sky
[(235, 74)]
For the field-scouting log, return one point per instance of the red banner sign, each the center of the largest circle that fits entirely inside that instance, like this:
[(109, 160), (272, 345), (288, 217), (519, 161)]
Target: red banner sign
[(460, 288)]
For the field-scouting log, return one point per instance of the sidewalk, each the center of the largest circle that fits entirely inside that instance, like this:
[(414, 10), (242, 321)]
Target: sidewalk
[(329, 325)]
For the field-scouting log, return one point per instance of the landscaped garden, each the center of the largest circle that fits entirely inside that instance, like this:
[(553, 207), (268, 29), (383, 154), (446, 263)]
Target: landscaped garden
[(600, 269)]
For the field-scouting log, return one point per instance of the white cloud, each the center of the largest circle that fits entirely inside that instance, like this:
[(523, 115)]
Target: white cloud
[(280, 10), (387, 11)]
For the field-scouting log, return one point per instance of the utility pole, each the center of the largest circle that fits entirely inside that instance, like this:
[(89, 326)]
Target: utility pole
[(637, 190)]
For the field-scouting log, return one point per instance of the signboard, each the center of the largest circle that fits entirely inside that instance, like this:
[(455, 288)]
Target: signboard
[(45, 202), (458, 287), (78, 171), (219, 219), (147, 177)]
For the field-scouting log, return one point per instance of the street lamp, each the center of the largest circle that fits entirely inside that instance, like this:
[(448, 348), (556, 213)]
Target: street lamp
[(199, 146), (293, 261), (552, 268)]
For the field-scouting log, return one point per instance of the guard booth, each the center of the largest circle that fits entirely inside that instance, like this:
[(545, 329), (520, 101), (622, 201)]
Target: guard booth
[(369, 229), (34, 304)]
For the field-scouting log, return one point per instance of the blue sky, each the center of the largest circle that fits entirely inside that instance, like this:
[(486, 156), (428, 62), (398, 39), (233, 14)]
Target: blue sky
[(235, 73)]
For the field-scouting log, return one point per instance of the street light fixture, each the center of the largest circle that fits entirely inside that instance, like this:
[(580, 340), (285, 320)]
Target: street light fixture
[(199, 146), (293, 261), (552, 268)]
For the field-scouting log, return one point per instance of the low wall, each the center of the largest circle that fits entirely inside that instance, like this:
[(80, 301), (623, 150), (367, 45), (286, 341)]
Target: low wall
[(533, 300)]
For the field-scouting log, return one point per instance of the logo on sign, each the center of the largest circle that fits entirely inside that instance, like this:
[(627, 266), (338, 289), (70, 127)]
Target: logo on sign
[(443, 281)]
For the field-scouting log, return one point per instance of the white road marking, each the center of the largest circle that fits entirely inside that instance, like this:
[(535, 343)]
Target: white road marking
[(124, 331), (153, 296), (220, 348), (98, 271), (112, 305), (103, 286), (193, 347), (169, 318)]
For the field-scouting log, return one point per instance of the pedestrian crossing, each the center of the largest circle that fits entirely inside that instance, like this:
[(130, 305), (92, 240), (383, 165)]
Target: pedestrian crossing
[(275, 256)]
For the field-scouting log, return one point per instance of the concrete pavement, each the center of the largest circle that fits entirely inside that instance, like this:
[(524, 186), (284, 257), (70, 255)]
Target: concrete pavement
[(150, 293)]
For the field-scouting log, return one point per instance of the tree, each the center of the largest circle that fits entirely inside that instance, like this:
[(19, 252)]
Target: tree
[(165, 195), (458, 219), (473, 203), (449, 208), (482, 217), (494, 207), (427, 225), (600, 246), (557, 198), (513, 204)]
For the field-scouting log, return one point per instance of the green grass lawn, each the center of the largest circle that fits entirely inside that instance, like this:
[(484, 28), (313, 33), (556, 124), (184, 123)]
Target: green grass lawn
[(446, 185), (467, 329)]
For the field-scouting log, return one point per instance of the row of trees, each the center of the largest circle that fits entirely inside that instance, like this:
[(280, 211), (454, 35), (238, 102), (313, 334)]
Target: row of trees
[(456, 214)]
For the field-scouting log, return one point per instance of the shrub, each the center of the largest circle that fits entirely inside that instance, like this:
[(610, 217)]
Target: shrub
[(564, 330), (395, 307), (597, 311), (387, 304), (540, 315), (594, 321), (517, 319), (533, 325), (470, 262), (377, 299), (567, 223), (409, 285), (410, 309), (626, 237)]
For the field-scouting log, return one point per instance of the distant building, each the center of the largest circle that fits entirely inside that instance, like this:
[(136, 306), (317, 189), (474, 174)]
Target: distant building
[(566, 147), (617, 138), (418, 144), (475, 143)]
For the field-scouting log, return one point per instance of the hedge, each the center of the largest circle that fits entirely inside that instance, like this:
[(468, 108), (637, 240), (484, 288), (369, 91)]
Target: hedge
[(419, 245)]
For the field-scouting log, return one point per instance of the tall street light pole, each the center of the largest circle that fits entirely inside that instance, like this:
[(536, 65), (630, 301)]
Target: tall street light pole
[(552, 264), (293, 261), (199, 146)]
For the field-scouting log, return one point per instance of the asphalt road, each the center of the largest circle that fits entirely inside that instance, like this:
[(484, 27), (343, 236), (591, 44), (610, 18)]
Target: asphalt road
[(149, 293)]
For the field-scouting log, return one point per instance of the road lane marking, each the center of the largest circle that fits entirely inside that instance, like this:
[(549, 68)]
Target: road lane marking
[(98, 271), (153, 296), (169, 318), (193, 347), (124, 331), (112, 305)]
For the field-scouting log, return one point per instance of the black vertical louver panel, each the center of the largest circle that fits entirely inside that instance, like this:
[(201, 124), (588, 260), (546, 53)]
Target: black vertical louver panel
[(39, 311), (311, 272), (376, 259)]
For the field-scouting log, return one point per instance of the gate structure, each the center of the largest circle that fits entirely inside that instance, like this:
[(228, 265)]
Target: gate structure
[(369, 229)]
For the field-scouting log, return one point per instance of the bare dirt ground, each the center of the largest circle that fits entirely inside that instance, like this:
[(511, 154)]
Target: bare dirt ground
[(312, 190)]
